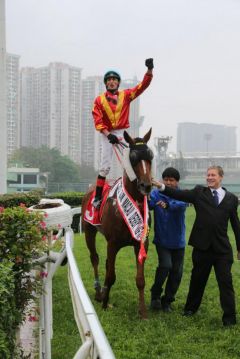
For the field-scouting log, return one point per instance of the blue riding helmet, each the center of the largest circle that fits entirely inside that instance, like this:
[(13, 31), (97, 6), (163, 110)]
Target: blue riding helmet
[(111, 73)]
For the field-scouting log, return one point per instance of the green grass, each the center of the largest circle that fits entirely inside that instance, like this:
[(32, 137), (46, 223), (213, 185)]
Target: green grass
[(163, 335)]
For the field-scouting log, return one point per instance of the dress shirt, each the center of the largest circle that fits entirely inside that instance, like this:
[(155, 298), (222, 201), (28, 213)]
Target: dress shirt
[(220, 192)]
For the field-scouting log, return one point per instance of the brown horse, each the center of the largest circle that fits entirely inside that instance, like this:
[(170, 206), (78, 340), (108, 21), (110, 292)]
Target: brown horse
[(113, 226)]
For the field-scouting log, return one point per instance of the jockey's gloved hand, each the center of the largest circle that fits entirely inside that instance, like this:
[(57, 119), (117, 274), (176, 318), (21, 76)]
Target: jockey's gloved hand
[(149, 63), (112, 139)]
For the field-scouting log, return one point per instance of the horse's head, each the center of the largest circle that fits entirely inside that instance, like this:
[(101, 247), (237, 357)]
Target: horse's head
[(141, 156)]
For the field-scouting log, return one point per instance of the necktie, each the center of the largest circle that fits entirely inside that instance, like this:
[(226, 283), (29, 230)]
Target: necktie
[(215, 198)]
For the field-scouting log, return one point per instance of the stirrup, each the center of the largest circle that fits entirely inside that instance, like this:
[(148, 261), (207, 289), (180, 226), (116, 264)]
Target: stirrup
[(97, 203)]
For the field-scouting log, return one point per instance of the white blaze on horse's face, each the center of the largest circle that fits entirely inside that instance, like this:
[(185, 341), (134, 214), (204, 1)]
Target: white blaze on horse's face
[(144, 167), (144, 178)]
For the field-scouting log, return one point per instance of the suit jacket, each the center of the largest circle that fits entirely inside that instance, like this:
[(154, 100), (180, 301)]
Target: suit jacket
[(211, 222)]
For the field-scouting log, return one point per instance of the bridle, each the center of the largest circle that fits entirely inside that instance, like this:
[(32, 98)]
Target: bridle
[(140, 152), (131, 156)]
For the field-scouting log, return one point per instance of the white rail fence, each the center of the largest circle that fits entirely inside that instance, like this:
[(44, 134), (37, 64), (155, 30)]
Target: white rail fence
[(94, 344)]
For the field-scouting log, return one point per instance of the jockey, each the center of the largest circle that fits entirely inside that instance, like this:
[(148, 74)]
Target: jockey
[(111, 118)]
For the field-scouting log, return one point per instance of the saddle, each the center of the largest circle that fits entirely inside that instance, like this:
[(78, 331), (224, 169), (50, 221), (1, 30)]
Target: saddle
[(93, 215)]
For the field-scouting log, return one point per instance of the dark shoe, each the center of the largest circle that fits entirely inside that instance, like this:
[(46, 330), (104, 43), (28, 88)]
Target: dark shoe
[(155, 304), (97, 203), (166, 305), (166, 308), (188, 313), (229, 323)]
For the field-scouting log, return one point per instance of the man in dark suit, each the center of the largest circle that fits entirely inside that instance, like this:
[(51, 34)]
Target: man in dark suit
[(214, 207)]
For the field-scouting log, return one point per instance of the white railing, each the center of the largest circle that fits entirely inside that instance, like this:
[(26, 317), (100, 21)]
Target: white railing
[(94, 341), (95, 344)]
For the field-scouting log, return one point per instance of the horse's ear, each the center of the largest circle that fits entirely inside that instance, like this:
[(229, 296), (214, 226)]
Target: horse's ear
[(128, 138), (146, 138)]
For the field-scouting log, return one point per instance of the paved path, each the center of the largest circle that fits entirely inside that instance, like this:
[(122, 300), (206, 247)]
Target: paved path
[(29, 337)]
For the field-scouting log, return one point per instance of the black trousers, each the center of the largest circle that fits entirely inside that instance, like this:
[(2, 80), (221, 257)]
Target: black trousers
[(203, 261), (170, 268)]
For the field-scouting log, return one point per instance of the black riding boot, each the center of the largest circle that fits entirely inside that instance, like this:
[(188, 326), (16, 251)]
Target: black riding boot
[(99, 189)]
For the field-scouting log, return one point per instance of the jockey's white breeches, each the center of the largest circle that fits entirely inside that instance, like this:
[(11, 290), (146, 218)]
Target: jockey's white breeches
[(107, 152)]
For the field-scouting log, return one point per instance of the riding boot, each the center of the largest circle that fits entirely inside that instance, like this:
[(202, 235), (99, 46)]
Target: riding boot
[(98, 194)]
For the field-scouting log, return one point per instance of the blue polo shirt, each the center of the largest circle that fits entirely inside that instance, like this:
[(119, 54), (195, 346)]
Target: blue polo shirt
[(169, 223)]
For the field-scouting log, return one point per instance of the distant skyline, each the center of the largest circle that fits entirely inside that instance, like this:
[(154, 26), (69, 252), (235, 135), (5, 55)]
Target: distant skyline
[(194, 44)]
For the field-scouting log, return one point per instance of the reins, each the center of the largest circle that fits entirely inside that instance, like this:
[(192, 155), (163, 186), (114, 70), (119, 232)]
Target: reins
[(142, 255), (118, 149)]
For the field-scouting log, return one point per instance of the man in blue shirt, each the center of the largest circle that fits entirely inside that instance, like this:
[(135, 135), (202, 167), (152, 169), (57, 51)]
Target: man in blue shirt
[(169, 239)]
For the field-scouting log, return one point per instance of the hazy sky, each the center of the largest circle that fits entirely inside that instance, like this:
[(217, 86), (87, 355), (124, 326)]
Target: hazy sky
[(194, 43)]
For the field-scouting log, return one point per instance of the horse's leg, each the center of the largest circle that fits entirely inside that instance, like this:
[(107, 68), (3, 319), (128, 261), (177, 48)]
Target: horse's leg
[(140, 282), (90, 236), (110, 276)]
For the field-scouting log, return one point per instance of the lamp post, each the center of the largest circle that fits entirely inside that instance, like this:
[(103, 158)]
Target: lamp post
[(45, 175), (3, 107), (161, 145), (207, 137)]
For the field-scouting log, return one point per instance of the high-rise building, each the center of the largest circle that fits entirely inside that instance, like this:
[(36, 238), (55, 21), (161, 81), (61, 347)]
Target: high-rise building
[(205, 138), (12, 70), (51, 108), (3, 107), (92, 86), (90, 148), (135, 119)]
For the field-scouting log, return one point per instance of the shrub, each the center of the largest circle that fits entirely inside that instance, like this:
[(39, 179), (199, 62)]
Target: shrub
[(8, 312), (15, 199), (22, 239), (21, 234), (73, 199)]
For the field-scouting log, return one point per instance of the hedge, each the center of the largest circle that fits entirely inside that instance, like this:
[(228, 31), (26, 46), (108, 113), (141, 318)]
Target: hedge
[(73, 199)]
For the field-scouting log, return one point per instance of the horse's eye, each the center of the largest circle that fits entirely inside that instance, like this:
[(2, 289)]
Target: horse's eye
[(133, 156)]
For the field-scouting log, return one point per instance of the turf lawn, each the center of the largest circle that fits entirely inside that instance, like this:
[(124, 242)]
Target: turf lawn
[(163, 335)]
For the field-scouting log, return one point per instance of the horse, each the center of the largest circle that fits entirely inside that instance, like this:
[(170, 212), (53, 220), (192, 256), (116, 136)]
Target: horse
[(113, 226)]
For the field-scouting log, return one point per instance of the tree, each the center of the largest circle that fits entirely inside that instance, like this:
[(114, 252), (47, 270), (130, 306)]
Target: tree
[(61, 169)]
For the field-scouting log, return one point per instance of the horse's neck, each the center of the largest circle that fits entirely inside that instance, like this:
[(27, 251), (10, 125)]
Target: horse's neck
[(131, 188)]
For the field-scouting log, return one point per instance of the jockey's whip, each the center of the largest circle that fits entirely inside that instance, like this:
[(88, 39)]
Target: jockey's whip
[(118, 149), (124, 161)]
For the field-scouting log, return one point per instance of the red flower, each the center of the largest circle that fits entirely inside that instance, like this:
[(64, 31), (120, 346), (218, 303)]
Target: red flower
[(43, 274), (32, 318), (43, 224), (1, 209)]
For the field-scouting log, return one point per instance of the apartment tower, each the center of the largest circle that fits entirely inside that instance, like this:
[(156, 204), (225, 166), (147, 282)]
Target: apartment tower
[(51, 108)]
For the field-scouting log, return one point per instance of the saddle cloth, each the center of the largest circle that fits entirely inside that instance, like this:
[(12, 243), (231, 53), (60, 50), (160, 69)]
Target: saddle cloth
[(127, 207), (93, 215)]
